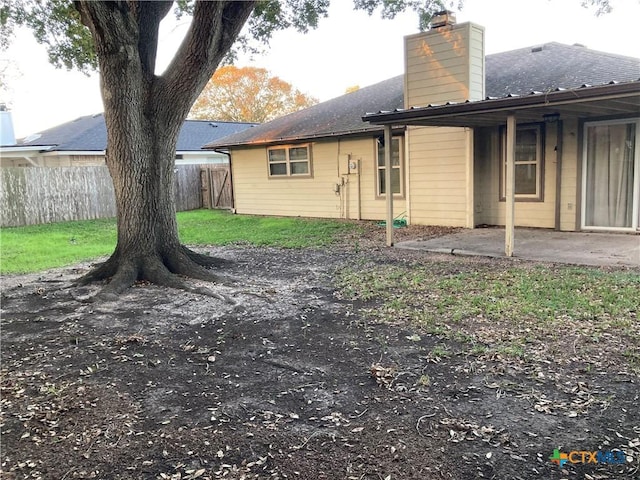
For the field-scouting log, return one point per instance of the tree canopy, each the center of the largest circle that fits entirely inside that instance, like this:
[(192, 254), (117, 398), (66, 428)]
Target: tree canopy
[(247, 94), (57, 23)]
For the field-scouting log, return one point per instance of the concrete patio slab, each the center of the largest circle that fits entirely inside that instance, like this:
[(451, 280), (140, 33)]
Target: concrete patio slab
[(599, 249)]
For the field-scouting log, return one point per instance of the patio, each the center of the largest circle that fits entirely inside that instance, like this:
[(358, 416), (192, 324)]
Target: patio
[(597, 249)]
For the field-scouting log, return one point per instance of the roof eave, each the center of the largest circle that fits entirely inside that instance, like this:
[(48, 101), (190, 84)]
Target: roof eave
[(305, 138), (437, 113)]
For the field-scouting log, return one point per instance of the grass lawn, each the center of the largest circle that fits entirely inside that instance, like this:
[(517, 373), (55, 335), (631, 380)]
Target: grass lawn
[(520, 311), (41, 247)]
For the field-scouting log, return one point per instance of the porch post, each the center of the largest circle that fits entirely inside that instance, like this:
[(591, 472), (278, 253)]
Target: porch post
[(387, 182), (510, 180)]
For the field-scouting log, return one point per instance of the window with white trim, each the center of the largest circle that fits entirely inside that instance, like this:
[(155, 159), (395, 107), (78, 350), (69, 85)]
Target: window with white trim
[(289, 161), (528, 163), (397, 160)]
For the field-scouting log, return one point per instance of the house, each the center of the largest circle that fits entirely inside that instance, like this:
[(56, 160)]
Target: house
[(82, 142), (534, 137)]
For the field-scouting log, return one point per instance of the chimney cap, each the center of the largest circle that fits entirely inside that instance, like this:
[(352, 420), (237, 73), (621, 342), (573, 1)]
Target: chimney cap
[(443, 18)]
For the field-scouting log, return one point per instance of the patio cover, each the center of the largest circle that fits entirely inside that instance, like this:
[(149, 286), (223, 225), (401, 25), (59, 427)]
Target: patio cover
[(585, 102)]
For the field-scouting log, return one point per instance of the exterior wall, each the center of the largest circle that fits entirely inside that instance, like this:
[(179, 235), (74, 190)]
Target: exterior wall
[(53, 160), (256, 193), (569, 189), (440, 176), (210, 158), (56, 160), (442, 65), (79, 160), (7, 161), (488, 208)]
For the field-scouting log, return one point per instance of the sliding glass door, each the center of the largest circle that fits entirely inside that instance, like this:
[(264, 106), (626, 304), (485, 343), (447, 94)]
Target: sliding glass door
[(611, 175)]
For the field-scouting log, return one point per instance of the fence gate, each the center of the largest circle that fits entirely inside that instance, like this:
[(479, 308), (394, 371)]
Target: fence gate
[(217, 191)]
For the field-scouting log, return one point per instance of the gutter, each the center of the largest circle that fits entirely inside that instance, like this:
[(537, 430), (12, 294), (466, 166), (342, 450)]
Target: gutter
[(509, 103), (284, 140)]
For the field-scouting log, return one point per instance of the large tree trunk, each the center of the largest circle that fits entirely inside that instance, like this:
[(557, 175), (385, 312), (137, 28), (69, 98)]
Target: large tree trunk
[(144, 114)]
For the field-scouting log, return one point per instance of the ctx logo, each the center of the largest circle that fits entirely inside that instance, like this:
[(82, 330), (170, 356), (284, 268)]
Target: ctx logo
[(584, 457)]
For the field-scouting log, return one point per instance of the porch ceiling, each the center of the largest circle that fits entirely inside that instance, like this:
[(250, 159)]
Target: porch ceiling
[(585, 102)]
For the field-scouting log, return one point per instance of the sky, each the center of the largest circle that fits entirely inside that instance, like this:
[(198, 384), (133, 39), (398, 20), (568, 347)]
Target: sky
[(348, 49)]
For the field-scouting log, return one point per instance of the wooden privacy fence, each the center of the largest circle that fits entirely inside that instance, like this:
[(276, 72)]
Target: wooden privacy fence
[(35, 195), (217, 191)]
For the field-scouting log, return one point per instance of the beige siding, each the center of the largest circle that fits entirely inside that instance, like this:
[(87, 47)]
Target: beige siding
[(313, 196), (440, 176), (256, 193), (488, 207), (444, 65), (569, 190), (86, 160)]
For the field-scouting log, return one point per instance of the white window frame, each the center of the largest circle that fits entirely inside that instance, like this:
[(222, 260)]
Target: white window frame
[(380, 169), (538, 196), (287, 161), (635, 215)]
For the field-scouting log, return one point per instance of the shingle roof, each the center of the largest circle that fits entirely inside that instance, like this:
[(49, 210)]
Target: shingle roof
[(554, 65), (89, 133), (517, 72), (336, 116)]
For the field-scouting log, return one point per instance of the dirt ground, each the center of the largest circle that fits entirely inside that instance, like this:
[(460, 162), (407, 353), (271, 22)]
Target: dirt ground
[(290, 383)]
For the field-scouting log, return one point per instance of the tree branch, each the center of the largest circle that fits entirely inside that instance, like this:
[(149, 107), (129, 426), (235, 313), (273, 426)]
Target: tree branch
[(111, 24), (213, 31), (149, 15)]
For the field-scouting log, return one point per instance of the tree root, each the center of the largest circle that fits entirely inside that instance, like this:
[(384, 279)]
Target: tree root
[(205, 260), (158, 273), (169, 270)]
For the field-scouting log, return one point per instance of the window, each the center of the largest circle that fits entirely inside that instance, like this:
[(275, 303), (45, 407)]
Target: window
[(289, 161), (528, 164), (396, 168)]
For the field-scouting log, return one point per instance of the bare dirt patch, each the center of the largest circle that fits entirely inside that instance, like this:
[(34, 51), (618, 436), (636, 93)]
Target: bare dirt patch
[(293, 382)]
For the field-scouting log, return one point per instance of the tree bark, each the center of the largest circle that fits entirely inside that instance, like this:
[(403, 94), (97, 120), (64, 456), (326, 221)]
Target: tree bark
[(143, 114)]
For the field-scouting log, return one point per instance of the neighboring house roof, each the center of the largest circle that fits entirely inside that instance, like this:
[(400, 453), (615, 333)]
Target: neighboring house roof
[(195, 134), (517, 72), (89, 133)]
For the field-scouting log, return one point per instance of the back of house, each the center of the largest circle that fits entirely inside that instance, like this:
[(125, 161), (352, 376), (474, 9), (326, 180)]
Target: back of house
[(576, 165)]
